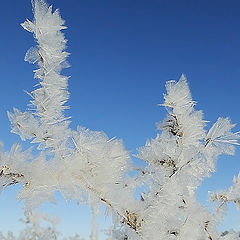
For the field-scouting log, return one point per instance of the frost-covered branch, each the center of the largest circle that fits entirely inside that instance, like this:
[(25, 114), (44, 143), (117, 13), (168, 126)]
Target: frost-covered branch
[(177, 160), (78, 162), (88, 166), (46, 124), (230, 195)]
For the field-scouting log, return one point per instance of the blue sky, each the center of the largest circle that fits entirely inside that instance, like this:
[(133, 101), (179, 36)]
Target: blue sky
[(122, 53)]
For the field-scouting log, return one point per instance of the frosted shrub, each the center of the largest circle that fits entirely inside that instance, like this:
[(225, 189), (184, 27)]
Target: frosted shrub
[(88, 166)]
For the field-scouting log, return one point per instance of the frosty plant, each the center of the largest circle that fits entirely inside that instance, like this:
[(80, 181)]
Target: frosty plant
[(34, 230), (87, 166)]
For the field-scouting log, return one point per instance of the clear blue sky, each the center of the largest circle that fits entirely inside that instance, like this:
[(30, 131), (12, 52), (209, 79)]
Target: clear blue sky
[(122, 53)]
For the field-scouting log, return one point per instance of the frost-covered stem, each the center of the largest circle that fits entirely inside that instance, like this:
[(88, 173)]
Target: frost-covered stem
[(50, 98), (48, 101), (11, 177), (230, 195), (177, 160), (206, 229), (131, 219)]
